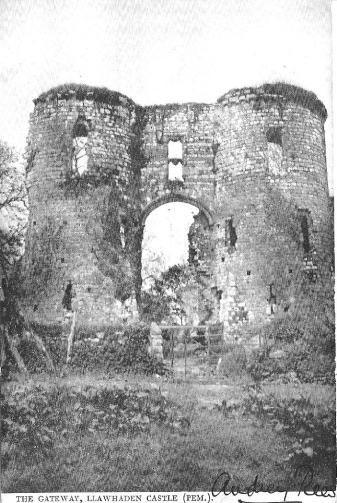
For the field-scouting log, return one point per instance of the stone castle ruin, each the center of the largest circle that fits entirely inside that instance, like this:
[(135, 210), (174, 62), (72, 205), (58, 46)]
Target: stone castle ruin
[(253, 163)]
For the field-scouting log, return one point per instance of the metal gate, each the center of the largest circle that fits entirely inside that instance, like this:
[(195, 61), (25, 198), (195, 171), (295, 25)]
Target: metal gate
[(190, 349)]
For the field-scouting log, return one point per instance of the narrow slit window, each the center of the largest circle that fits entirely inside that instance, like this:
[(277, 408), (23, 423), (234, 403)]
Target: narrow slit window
[(274, 149), (68, 296), (80, 140), (305, 232), (122, 235), (231, 236), (272, 299)]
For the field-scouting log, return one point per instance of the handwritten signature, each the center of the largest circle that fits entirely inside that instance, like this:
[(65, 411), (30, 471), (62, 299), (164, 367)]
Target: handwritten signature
[(303, 479)]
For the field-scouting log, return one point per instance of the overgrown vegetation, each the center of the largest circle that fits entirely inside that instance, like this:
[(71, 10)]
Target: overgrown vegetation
[(13, 211), (117, 240), (289, 92), (305, 337), (83, 91), (184, 447), (32, 422), (233, 361), (46, 241), (299, 363), (140, 437), (120, 349), (125, 350), (165, 299), (313, 428)]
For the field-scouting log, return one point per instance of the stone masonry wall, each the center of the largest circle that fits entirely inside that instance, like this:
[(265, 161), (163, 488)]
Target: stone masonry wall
[(76, 210), (250, 158)]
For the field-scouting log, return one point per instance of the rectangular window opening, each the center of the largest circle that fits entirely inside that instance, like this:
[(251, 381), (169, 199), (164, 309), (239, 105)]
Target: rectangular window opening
[(231, 237), (80, 156), (175, 171), (274, 135), (304, 220), (175, 150), (175, 160), (274, 150)]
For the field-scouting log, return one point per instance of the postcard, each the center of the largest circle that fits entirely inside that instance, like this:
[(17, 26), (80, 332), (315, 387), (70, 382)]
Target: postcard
[(167, 310)]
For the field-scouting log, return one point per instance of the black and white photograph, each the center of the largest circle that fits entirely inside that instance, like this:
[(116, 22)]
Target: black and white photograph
[(167, 310)]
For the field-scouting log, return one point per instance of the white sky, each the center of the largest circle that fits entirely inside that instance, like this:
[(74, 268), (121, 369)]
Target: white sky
[(165, 240), (159, 50)]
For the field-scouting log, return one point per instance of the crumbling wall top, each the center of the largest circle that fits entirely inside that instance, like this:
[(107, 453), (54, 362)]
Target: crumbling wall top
[(85, 92), (276, 91), (269, 91)]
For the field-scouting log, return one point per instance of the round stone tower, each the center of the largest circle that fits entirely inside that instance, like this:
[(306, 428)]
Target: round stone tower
[(273, 229), (79, 168), (253, 163)]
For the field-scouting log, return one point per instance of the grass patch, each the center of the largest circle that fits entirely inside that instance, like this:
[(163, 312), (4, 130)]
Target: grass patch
[(158, 460), (185, 450)]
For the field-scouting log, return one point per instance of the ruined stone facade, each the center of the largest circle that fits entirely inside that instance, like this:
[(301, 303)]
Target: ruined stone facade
[(98, 164)]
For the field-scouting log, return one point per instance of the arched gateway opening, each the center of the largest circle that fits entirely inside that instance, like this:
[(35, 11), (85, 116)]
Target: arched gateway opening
[(176, 262)]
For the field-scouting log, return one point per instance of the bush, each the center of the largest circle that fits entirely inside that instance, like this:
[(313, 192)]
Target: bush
[(284, 330), (133, 354), (262, 367), (311, 365), (51, 335), (302, 361), (25, 430), (313, 428), (123, 350), (233, 361), (307, 337), (32, 356), (120, 349), (89, 355)]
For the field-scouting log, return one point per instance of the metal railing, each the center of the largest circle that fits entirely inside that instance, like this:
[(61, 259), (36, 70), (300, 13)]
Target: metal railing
[(203, 331), (214, 345)]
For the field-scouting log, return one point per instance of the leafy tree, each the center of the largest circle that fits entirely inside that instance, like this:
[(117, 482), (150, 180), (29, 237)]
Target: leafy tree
[(13, 216), (165, 299), (13, 211)]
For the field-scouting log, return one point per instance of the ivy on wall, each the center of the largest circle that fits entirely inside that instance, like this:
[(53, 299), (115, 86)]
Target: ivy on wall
[(117, 213), (286, 271), (133, 225), (44, 250)]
